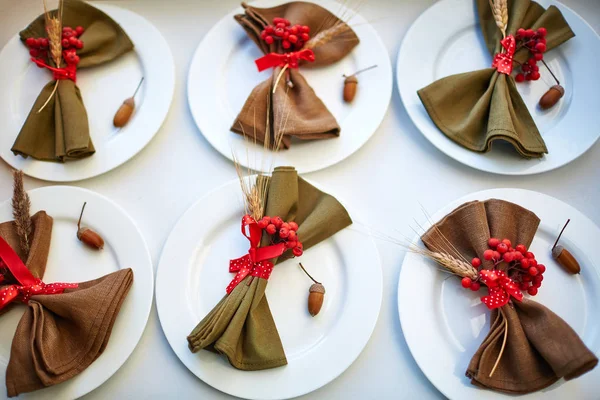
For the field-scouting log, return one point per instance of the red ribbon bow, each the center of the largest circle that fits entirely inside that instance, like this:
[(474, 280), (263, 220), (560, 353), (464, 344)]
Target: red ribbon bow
[(29, 284), (500, 288), (68, 72), (255, 263), (503, 62), (273, 60)]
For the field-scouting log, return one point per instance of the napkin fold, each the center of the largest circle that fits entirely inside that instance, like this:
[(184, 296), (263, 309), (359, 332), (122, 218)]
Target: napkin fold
[(297, 112), (60, 132), (540, 347), (59, 335), (474, 109), (241, 325)]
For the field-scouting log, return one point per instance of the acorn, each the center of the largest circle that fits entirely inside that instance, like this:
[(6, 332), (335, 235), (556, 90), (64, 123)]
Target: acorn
[(88, 236), (564, 256), (551, 97), (315, 298), (123, 114), (351, 83)]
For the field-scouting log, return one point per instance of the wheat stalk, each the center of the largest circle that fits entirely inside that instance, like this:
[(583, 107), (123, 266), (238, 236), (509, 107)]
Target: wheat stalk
[(452, 264), (54, 32), (327, 35), (500, 12), (21, 206)]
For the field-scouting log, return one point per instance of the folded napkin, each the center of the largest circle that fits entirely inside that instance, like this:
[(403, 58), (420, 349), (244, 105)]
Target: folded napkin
[(59, 335), (60, 131), (241, 326), (476, 108), (540, 347), (295, 112)]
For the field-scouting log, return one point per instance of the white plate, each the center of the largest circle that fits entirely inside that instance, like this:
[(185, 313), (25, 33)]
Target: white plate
[(71, 261), (455, 45), (217, 90), (103, 89), (193, 274), (444, 324)]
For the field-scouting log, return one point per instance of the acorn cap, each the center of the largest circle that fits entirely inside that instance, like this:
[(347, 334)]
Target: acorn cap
[(560, 89), (317, 288), (556, 251), (351, 79)]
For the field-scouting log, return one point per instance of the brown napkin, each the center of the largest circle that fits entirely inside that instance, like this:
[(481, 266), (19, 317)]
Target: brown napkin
[(59, 335), (476, 108), (60, 131), (540, 348), (241, 326), (297, 111)]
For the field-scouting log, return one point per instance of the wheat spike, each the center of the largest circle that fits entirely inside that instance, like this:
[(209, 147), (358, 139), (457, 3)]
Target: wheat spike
[(452, 264), (500, 12), (21, 205), (327, 35)]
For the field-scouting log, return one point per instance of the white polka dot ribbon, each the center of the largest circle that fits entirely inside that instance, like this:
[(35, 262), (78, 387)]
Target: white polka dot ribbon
[(503, 62), (500, 288)]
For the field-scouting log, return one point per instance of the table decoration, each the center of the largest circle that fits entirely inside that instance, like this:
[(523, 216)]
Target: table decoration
[(66, 325)]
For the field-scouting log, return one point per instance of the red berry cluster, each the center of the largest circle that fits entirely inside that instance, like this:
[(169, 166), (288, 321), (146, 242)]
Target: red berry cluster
[(535, 41), (523, 268), (282, 232), (70, 43), (290, 36)]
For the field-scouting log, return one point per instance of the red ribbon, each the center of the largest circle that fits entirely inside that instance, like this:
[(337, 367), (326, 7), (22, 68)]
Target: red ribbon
[(68, 72), (273, 60), (255, 263), (503, 62), (29, 284), (500, 288)]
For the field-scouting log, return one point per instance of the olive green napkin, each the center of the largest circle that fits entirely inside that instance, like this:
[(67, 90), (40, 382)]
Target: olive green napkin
[(59, 335), (60, 131), (241, 326), (298, 111), (476, 108), (540, 346)]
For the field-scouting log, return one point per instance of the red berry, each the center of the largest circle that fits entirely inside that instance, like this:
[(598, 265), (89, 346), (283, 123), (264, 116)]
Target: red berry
[(277, 20), (297, 251), (284, 233), (520, 77), (67, 34), (279, 32), (76, 59), (286, 35), (541, 47), (269, 39), (466, 282), (531, 62), (79, 30), (476, 262), (286, 22), (79, 44), (286, 45), (538, 56), (529, 255), (526, 68), (299, 245), (30, 42), (67, 29), (535, 75), (34, 52), (529, 33), (525, 263), (532, 271), (293, 38), (497, 256), (526, 278), (475, 286), (293, 226), (279, 25), (271, 229), (502, 248), (277, 221), (507, 242), (285, 225), (542, 32), (508, 257), (294, 30), (524, 286), (521, 249), (536, 284), (518, 256), (305, 37), (65, 43), (532, 291), (521, 32), (305, 29), (292, 235), (263, 223), (73, 41), (488, 254), (290, 244), (541, 268), (493, 243), (533, 262), (538, 278)]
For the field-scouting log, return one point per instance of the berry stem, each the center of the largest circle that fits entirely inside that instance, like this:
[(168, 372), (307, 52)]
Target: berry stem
[(561, 232), (554, 76), (81, 215), (306, 272)]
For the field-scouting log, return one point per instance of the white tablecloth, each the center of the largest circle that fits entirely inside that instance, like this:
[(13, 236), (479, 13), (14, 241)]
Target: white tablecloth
[(387, 178)]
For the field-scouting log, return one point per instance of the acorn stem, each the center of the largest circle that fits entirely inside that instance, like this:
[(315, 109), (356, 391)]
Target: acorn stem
[(361, 71), (306, 272), (81, 215), (561, 232), (138, 87), (551, 73)]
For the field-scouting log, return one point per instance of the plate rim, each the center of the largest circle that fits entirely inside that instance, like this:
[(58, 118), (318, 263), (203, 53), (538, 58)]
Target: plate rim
[(197, 56), (161, 314)]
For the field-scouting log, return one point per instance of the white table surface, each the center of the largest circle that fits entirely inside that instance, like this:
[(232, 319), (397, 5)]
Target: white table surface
[(387, 179)]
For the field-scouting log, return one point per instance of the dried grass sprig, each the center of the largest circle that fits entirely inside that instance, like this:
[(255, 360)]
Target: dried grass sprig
[(500, 12), (21, 212), (452, 264), (328, 35), (54, 32)]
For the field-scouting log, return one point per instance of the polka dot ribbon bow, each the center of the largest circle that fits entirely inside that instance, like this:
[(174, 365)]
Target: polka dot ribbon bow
[(29, 285), (292, 59), (503, 62), (256, 262), (500, 288)]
